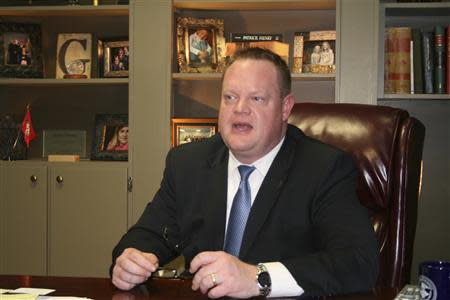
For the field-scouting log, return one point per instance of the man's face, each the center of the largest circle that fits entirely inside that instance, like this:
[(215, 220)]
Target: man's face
[(252, 116)]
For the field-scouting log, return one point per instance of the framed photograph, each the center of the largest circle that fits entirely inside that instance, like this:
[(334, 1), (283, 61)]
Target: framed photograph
[(314, 52), (115, 58), (74, 55), (200, 45), (20, 51), (110, 137), (191, 130)]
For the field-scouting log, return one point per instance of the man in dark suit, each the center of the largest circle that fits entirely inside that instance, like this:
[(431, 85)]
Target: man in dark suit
[(306, 232)]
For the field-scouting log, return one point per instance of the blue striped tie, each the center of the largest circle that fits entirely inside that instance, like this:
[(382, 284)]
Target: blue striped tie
[(239, 213)]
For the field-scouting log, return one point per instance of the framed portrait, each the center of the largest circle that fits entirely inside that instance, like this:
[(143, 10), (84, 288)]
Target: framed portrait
[(110, 137), (114, 58), (20, 51), (200, 45), (190, 130), (315, 52), (74, 55)]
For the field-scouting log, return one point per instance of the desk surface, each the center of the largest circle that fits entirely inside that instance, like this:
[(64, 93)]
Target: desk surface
[(158, 289)]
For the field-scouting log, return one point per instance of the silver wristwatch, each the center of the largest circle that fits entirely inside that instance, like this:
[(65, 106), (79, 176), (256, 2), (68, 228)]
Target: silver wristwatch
[(263, 280)]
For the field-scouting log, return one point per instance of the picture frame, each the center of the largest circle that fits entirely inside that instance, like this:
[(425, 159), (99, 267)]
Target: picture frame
[(114, 58), (74, 55), (110, 141), (200, 45), (314, 52), (21, 51), (189, 130)]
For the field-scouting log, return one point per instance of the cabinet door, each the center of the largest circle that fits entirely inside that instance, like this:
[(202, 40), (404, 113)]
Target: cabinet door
[(24, 219), (87, 216)]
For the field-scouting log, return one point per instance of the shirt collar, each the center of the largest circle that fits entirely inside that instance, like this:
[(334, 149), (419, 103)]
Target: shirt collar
[(262, 165)]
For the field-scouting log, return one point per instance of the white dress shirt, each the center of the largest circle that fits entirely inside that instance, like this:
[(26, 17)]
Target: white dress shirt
[(283, 284)]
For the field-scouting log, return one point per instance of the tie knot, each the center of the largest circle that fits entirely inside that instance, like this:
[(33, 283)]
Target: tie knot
[(245, 171)]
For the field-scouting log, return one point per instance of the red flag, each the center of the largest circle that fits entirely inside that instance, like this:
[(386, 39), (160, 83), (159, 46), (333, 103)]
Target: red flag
[(27, 128)]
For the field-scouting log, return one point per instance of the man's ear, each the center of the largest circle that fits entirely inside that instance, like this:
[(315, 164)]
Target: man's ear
[(287, 104)]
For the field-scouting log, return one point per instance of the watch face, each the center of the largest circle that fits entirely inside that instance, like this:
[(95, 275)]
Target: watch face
[(264, 279)]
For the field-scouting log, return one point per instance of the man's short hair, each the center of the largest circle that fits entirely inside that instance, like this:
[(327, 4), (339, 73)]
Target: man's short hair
[(284, 74)]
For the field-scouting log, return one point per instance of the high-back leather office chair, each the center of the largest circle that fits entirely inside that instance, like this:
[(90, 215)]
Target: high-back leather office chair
[(386, 144)]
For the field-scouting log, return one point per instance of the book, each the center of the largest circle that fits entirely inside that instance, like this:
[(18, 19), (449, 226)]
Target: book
[(282, 49), (63, 158), (447, 65), (417, 61), (256, 37), (398, 61), (439, 57), (411, 67), (428, 59)]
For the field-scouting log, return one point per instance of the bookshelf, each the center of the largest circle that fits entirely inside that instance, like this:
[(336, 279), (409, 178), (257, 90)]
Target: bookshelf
[(424, 15), (433, 110), (55, 103), (54, 208), (198, 95)]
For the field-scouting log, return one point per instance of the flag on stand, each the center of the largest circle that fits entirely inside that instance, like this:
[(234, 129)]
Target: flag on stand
[(27, 128)]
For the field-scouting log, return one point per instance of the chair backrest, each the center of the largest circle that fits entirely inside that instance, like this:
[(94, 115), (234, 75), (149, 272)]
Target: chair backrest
[(386, 144)]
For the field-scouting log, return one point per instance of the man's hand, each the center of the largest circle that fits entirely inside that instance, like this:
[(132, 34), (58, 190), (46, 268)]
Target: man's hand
[(132, 268), (221, 274)]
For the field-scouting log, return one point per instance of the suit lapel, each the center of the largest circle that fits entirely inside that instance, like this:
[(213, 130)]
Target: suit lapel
[(215, 198), (268, 194)]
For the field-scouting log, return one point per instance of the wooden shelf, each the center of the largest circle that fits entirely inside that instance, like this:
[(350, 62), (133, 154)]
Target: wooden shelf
[(255, 5), (313, 77), (218, 76), (415, 97), (421, 9), (63, 82), (65, 10)]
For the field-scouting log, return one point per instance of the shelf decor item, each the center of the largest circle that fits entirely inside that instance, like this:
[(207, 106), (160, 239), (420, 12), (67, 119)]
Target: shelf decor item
[(282, 49), (314, 52), (191, 130), (110, 137), (200, 45), (20, 51), (74, 55), (114, 56), (12, 142), (63, 142)]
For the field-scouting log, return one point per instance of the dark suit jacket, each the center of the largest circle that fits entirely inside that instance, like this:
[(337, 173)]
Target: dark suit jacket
[(305, 215)]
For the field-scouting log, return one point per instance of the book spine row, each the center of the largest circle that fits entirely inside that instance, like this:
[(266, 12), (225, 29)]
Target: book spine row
[(448, 62), (417, 60)]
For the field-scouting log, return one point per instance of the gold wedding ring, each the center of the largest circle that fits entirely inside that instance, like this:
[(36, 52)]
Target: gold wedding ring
[(213, 278)]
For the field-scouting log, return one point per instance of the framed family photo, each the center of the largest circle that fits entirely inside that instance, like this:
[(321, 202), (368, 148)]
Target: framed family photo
[(115, 58), (314, 52), (20, 51), (190, 130), (110, 137), (200, 45)]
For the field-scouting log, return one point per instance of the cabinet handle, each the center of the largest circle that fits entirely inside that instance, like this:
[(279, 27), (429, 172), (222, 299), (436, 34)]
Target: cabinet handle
[(33, 178), (59, 179)]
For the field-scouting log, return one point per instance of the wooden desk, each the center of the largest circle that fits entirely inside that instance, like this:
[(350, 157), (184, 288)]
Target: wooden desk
[(158, 289)]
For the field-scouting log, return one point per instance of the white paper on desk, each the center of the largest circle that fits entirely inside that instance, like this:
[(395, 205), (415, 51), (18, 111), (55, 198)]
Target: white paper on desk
[(33, 291), (2, 291)]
